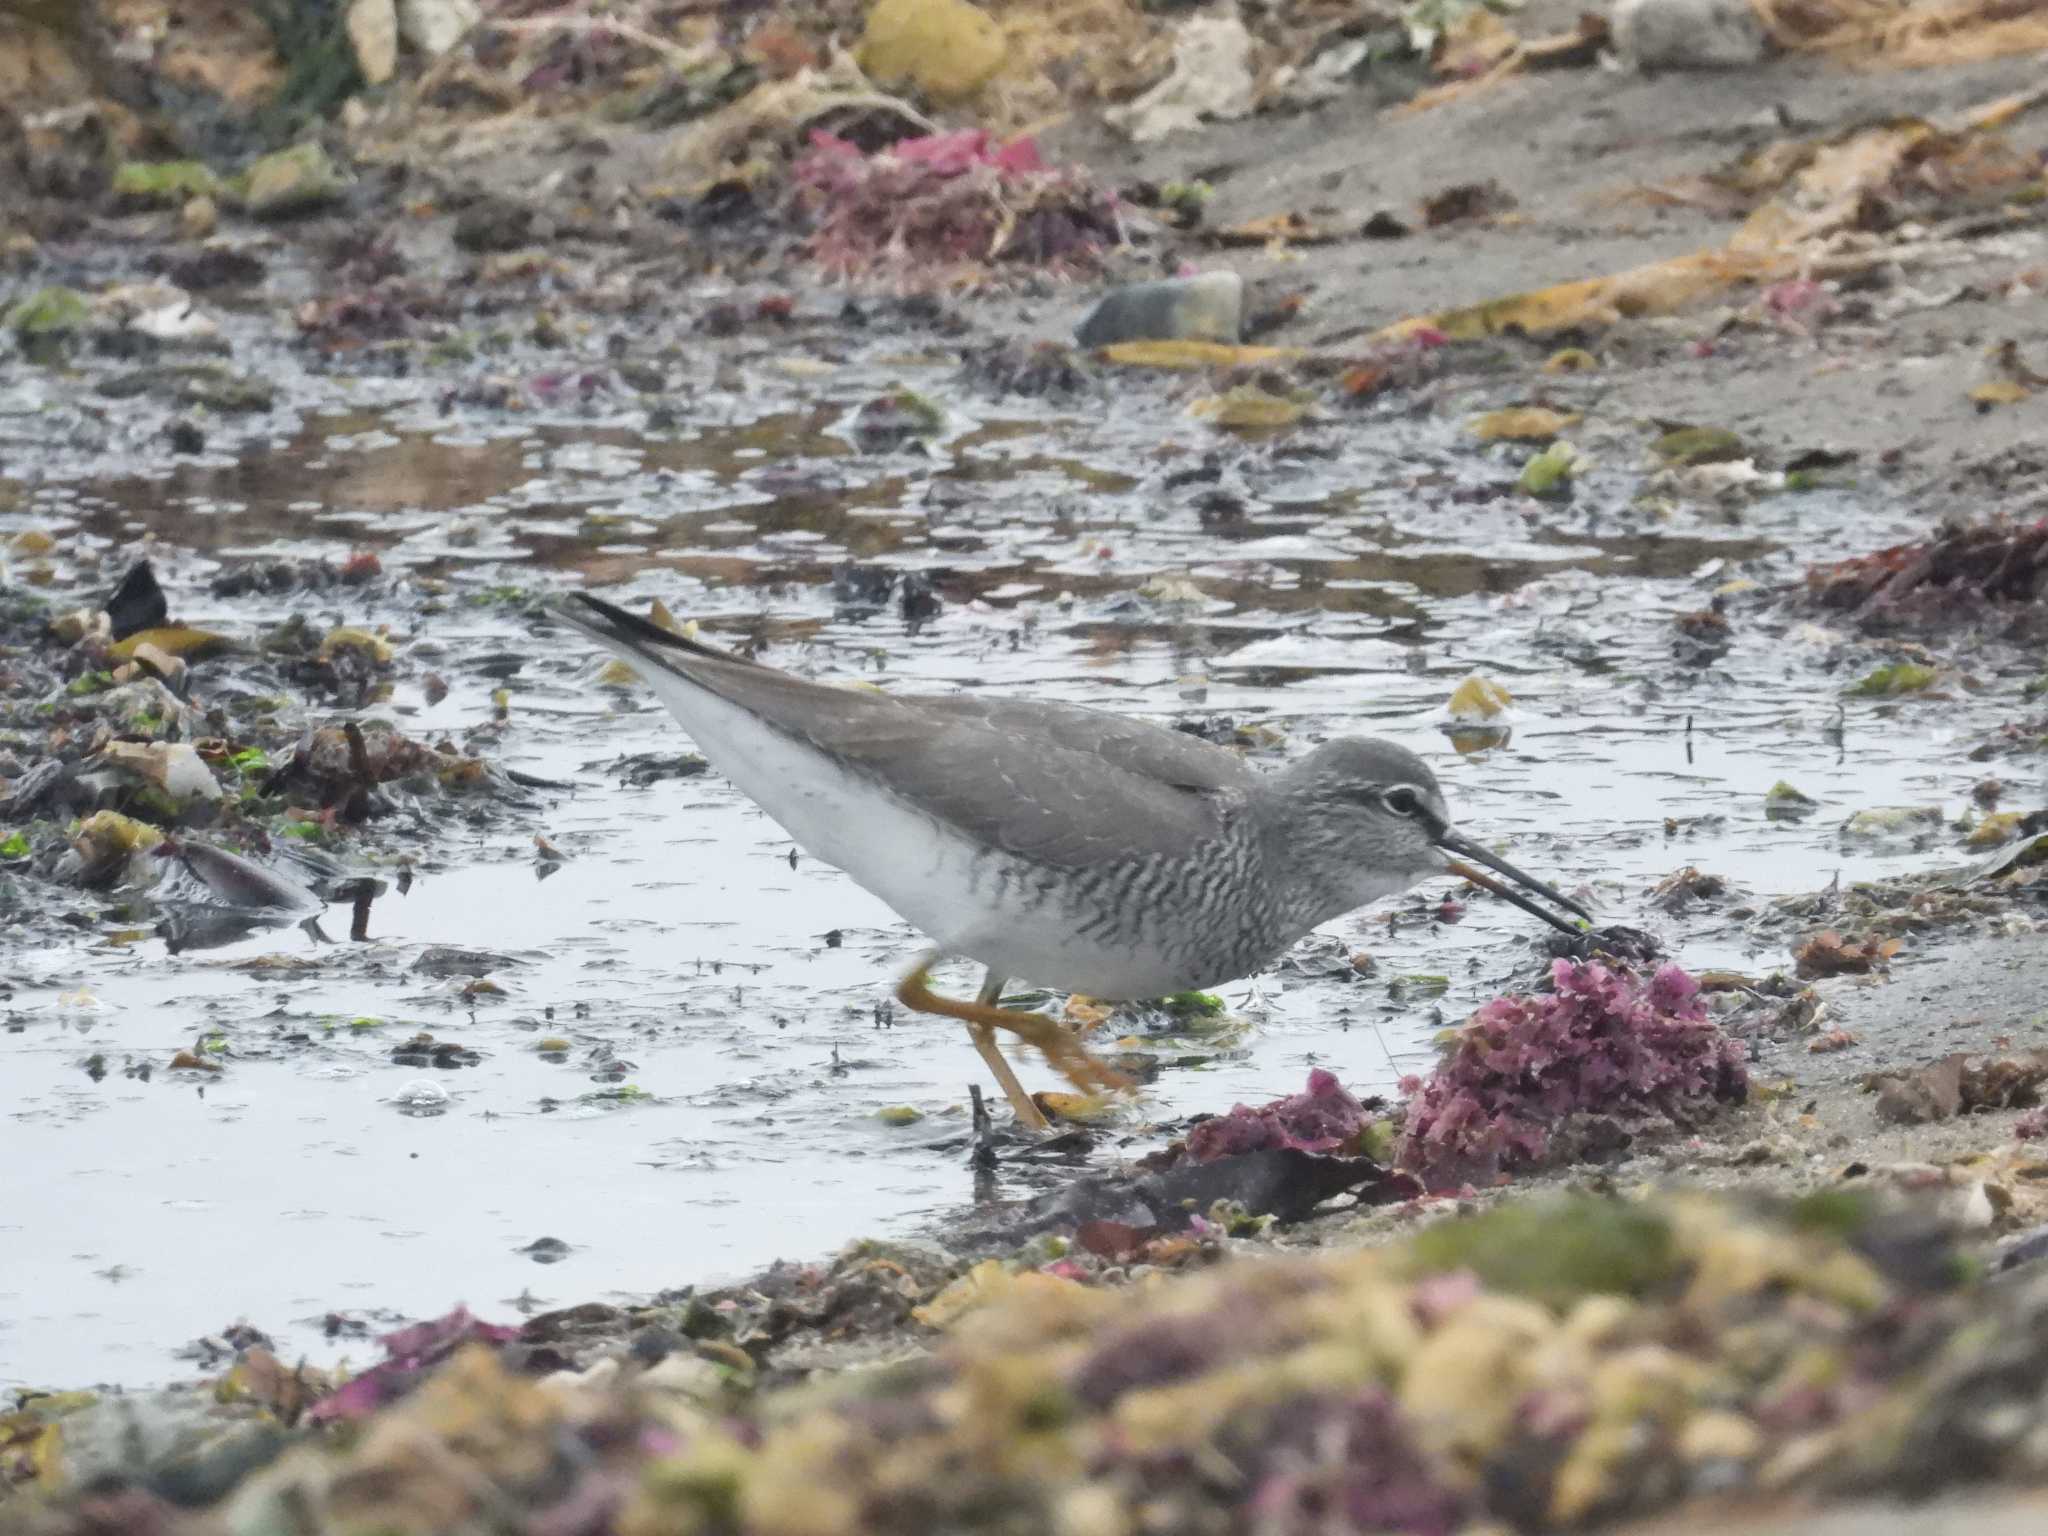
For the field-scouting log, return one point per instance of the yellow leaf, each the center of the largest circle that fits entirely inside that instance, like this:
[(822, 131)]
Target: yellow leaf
[(1999, 827), (1275, 228), (1571, 360), (1521, 424), (2000, 392), (1192, 354), (1076, 1108), (991, 1281), (1658, 288), (1479, 698), (984, 1283), (1249, 408), (175, 640), (112, 830), (345, 638)]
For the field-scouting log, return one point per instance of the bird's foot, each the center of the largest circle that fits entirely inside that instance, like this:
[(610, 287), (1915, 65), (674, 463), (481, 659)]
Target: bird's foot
[(1059, 1047)]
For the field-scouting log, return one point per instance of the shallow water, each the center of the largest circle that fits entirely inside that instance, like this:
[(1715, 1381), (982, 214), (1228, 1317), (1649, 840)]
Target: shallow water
[(716, 1108)]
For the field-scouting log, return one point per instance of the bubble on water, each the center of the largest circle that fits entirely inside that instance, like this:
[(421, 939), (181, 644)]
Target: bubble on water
[(421, 1097)]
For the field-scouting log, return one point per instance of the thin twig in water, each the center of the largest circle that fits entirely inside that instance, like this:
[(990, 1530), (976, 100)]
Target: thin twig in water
[(983, 1154)]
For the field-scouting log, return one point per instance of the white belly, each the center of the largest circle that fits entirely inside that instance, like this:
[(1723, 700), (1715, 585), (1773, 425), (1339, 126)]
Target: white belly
[(921, 868)]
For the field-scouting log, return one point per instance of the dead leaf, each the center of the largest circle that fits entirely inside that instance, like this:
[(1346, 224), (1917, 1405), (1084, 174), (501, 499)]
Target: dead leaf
[(1277, 229), (1687, 887), (1075, 1108), (1594, 303), (985, 1282), (178, 640), (366, 643), (1829, 954), (1365, 379), (1906, 36), (1698, 445), (1192, 354), (187, 1061), (2000, 392), (1571, 360), (1248, 408), (1521, 424), (1478, 698)]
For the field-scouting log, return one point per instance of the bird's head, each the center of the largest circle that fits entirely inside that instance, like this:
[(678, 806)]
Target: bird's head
[(1371, 818)]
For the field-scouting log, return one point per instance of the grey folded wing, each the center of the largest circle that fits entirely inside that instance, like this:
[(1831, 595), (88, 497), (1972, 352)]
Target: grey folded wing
[(1063, 785)]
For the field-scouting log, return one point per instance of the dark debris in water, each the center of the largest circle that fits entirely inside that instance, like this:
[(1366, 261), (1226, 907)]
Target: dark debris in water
[(1044, 370), (1978, 573), (641, 769), (174, 770), (1610, 941), (138, 603)]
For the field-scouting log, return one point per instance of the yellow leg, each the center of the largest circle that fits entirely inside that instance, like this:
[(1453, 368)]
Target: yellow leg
[(983, 1017), (1028, 1113)]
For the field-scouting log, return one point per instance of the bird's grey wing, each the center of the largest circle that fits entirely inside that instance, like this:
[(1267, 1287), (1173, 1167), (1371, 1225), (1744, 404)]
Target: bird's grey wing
[(1059, 783), (1066, 786)]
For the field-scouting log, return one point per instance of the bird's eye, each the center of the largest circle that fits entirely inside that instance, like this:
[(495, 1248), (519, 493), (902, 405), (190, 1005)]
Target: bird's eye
[(1402, 801)]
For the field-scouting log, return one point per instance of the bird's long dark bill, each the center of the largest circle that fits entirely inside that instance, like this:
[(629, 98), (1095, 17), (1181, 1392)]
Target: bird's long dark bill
[(1451, 842)]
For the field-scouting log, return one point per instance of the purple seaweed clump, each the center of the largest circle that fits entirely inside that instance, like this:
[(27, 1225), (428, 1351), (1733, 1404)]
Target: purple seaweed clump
[(950, 198), (1601, 1043), (408, 1355), (1321, 1118)]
